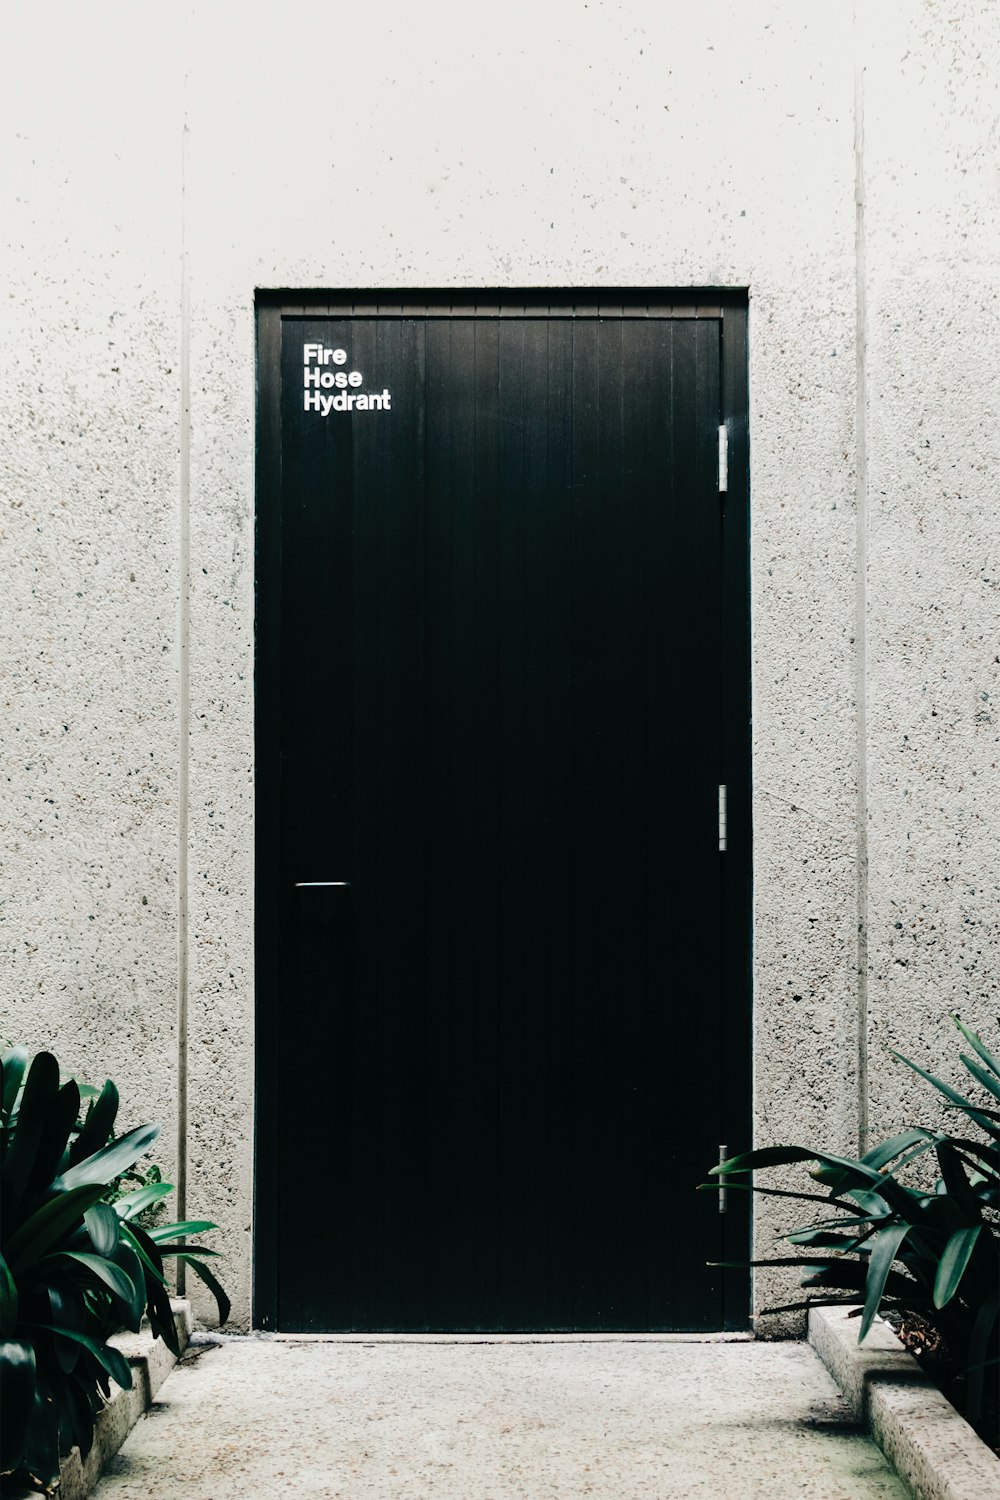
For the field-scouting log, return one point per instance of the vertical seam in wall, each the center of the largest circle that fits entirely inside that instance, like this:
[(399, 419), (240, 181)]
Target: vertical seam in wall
[(861, 599), (183, 687)]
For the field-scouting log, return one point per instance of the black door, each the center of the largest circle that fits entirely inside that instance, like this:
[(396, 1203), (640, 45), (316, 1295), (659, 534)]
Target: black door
[(502, 676)]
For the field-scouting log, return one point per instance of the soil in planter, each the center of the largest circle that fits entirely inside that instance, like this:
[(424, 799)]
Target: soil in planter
[(927, 1346)]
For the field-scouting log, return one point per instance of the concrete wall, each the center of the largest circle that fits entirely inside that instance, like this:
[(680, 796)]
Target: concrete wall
[(89, 403), (155, 187), (932, 167)]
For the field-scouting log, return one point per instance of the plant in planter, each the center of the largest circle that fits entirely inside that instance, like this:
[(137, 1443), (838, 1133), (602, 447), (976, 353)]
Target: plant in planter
[(76, 1263), (915, 1247)]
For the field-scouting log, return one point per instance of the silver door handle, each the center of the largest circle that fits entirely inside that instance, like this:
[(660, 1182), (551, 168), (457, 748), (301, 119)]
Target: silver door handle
[(305, 885)]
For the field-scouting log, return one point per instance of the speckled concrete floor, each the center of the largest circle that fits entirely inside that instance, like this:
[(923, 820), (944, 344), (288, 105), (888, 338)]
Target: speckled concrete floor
[(259, 1419)]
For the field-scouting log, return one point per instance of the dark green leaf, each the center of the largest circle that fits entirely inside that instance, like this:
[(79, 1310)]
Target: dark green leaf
[(884, 1249), (110, 1161), (14, 1064), (766, 1156), (109, 1358), (187, 1226), (829, 1176), (152, 1265), (989, 1083), (17, 1396), (41, 1086), (80, 1412), (850, 1272), (67, 1353), (222, 1301), (765, 1192), (41, 1083), (993, 1114), (68, 1307), (974, 1041), (987, 1157), (41, 1446), (951, 1267), (872, 1204), (881, 1155), (917, 1151), (825, 1239), (103, 1228), (979, 1343), (8, 1301), (144, 1197), (956, 1182), (912, 1302), (813, 1302), (60, 1122), (862, 1182), (904, 1202), (143, 1242), (158, 1309), (180, 1248), (56, 1376), (817, 1263), (97, 1127), (872, 1220), (112, 1276), (161, 1315), (128, 1259), (946, 1089), (49, 1224)]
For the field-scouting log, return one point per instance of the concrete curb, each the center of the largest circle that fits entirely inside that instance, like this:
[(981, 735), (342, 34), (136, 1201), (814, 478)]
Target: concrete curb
[(151, 1363), (933, 1448)]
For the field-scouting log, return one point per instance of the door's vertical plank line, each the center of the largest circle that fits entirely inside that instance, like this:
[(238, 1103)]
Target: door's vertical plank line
[(439, 729), (736, 875), (488, 789), (414, 367), (590, 625), (463, 1083), (635, 369), (314, 615), (365, 1168), (558, 685), (266, 1274)]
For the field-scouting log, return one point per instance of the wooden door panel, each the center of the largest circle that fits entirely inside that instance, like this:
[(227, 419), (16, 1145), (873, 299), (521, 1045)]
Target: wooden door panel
[(498, 685)]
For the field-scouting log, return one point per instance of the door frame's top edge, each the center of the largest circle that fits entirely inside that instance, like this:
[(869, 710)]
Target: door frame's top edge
[(589, 302)]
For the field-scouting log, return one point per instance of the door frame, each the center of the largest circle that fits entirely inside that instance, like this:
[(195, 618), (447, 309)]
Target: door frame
[(730, 307)]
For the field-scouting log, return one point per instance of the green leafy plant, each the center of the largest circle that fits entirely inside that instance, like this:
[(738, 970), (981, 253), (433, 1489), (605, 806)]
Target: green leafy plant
[(885, 1243), (76, 1264)]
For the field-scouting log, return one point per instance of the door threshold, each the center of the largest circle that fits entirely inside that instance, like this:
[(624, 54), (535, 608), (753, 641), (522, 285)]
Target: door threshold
[(732, 1337)]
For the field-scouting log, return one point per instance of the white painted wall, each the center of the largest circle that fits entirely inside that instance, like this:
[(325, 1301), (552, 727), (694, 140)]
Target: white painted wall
[(654, 144)]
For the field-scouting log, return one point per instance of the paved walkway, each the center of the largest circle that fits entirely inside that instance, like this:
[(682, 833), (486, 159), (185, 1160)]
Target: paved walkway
[(261, 1419)]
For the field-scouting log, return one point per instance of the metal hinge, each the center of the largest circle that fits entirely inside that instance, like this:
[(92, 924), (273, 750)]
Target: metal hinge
[(723, 1190), (723, 459), (723, 817)]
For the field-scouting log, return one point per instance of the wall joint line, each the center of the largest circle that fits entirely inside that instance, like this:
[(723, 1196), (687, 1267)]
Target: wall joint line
[(184, 697), (861, 595)]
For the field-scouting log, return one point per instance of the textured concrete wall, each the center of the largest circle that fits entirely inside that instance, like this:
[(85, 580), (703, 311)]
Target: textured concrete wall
[(89, 401), (576, 144), (932, 166)]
